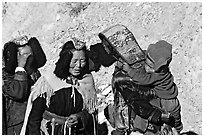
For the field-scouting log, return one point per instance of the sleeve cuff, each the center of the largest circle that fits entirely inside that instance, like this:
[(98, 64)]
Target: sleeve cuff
[(19, 69)]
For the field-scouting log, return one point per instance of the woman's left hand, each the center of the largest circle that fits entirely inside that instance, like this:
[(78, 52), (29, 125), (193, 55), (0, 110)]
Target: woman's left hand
[(72, 120)]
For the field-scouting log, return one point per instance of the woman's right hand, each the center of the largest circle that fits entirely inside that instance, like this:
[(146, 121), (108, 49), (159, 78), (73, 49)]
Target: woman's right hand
[(72, 120)]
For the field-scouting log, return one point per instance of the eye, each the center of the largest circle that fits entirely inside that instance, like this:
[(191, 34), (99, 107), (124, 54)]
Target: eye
[(83, 61), (73, 61)]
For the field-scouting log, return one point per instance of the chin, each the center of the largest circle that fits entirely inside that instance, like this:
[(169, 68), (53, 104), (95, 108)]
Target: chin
[(76, 74)]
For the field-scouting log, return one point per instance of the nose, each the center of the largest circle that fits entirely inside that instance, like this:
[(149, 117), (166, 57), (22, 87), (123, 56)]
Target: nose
[(78, 64)]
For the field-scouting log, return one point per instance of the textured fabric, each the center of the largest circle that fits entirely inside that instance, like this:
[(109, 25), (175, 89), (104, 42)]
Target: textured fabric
[(99, 56), (4, 117), (16, 87), (141, 106), (128, 94), (123, 44), (15, 115), (162, 83), (48, 84), (20, 75), (15, 94), (62, 104), (160, 53), (140, 124), (174, 108)]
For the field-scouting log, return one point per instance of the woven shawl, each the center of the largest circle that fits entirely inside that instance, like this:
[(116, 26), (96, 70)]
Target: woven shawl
[(48, 84)]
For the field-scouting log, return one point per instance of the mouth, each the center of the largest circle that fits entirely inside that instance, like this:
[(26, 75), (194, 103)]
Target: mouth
[(77, 71)]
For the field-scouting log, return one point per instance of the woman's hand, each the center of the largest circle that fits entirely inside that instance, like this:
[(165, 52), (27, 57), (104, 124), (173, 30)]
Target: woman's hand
[(72, 120)]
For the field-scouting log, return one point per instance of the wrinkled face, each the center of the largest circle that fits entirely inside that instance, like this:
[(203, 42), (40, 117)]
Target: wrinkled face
[(77, 63), (149, 65)]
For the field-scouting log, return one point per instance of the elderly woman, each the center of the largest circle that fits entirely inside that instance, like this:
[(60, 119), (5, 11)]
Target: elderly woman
[(136, 107), (21, 58), (63, 101)]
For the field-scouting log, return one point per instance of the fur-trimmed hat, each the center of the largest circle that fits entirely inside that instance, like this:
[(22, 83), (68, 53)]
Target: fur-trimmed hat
[(39, 55), (160, 53), (10, 54), (123, 44)]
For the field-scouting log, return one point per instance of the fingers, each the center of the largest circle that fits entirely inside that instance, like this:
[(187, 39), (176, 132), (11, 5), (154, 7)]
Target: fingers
[(72, 120)]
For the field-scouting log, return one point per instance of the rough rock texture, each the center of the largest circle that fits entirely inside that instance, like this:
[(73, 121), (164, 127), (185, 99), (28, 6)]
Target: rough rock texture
[(178, 23)]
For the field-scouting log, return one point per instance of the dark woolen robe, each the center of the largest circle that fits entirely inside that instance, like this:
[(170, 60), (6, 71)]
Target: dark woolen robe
[(163, 82), (61, 104), (16, 89)]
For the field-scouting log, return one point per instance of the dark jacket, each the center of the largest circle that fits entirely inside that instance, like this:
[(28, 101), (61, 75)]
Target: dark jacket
[(61, 104), (16, 90), (163, 82), (17, 87)]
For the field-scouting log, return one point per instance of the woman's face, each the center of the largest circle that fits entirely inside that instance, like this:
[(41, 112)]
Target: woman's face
[(77, 63), (25, 50)]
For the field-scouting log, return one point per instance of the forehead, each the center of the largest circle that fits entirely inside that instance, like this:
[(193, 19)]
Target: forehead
[(25, 49), (78, 54)]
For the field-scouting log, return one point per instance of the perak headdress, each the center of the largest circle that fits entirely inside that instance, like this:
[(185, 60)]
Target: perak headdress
[(123, 44), (21, 40), (78, 44)]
